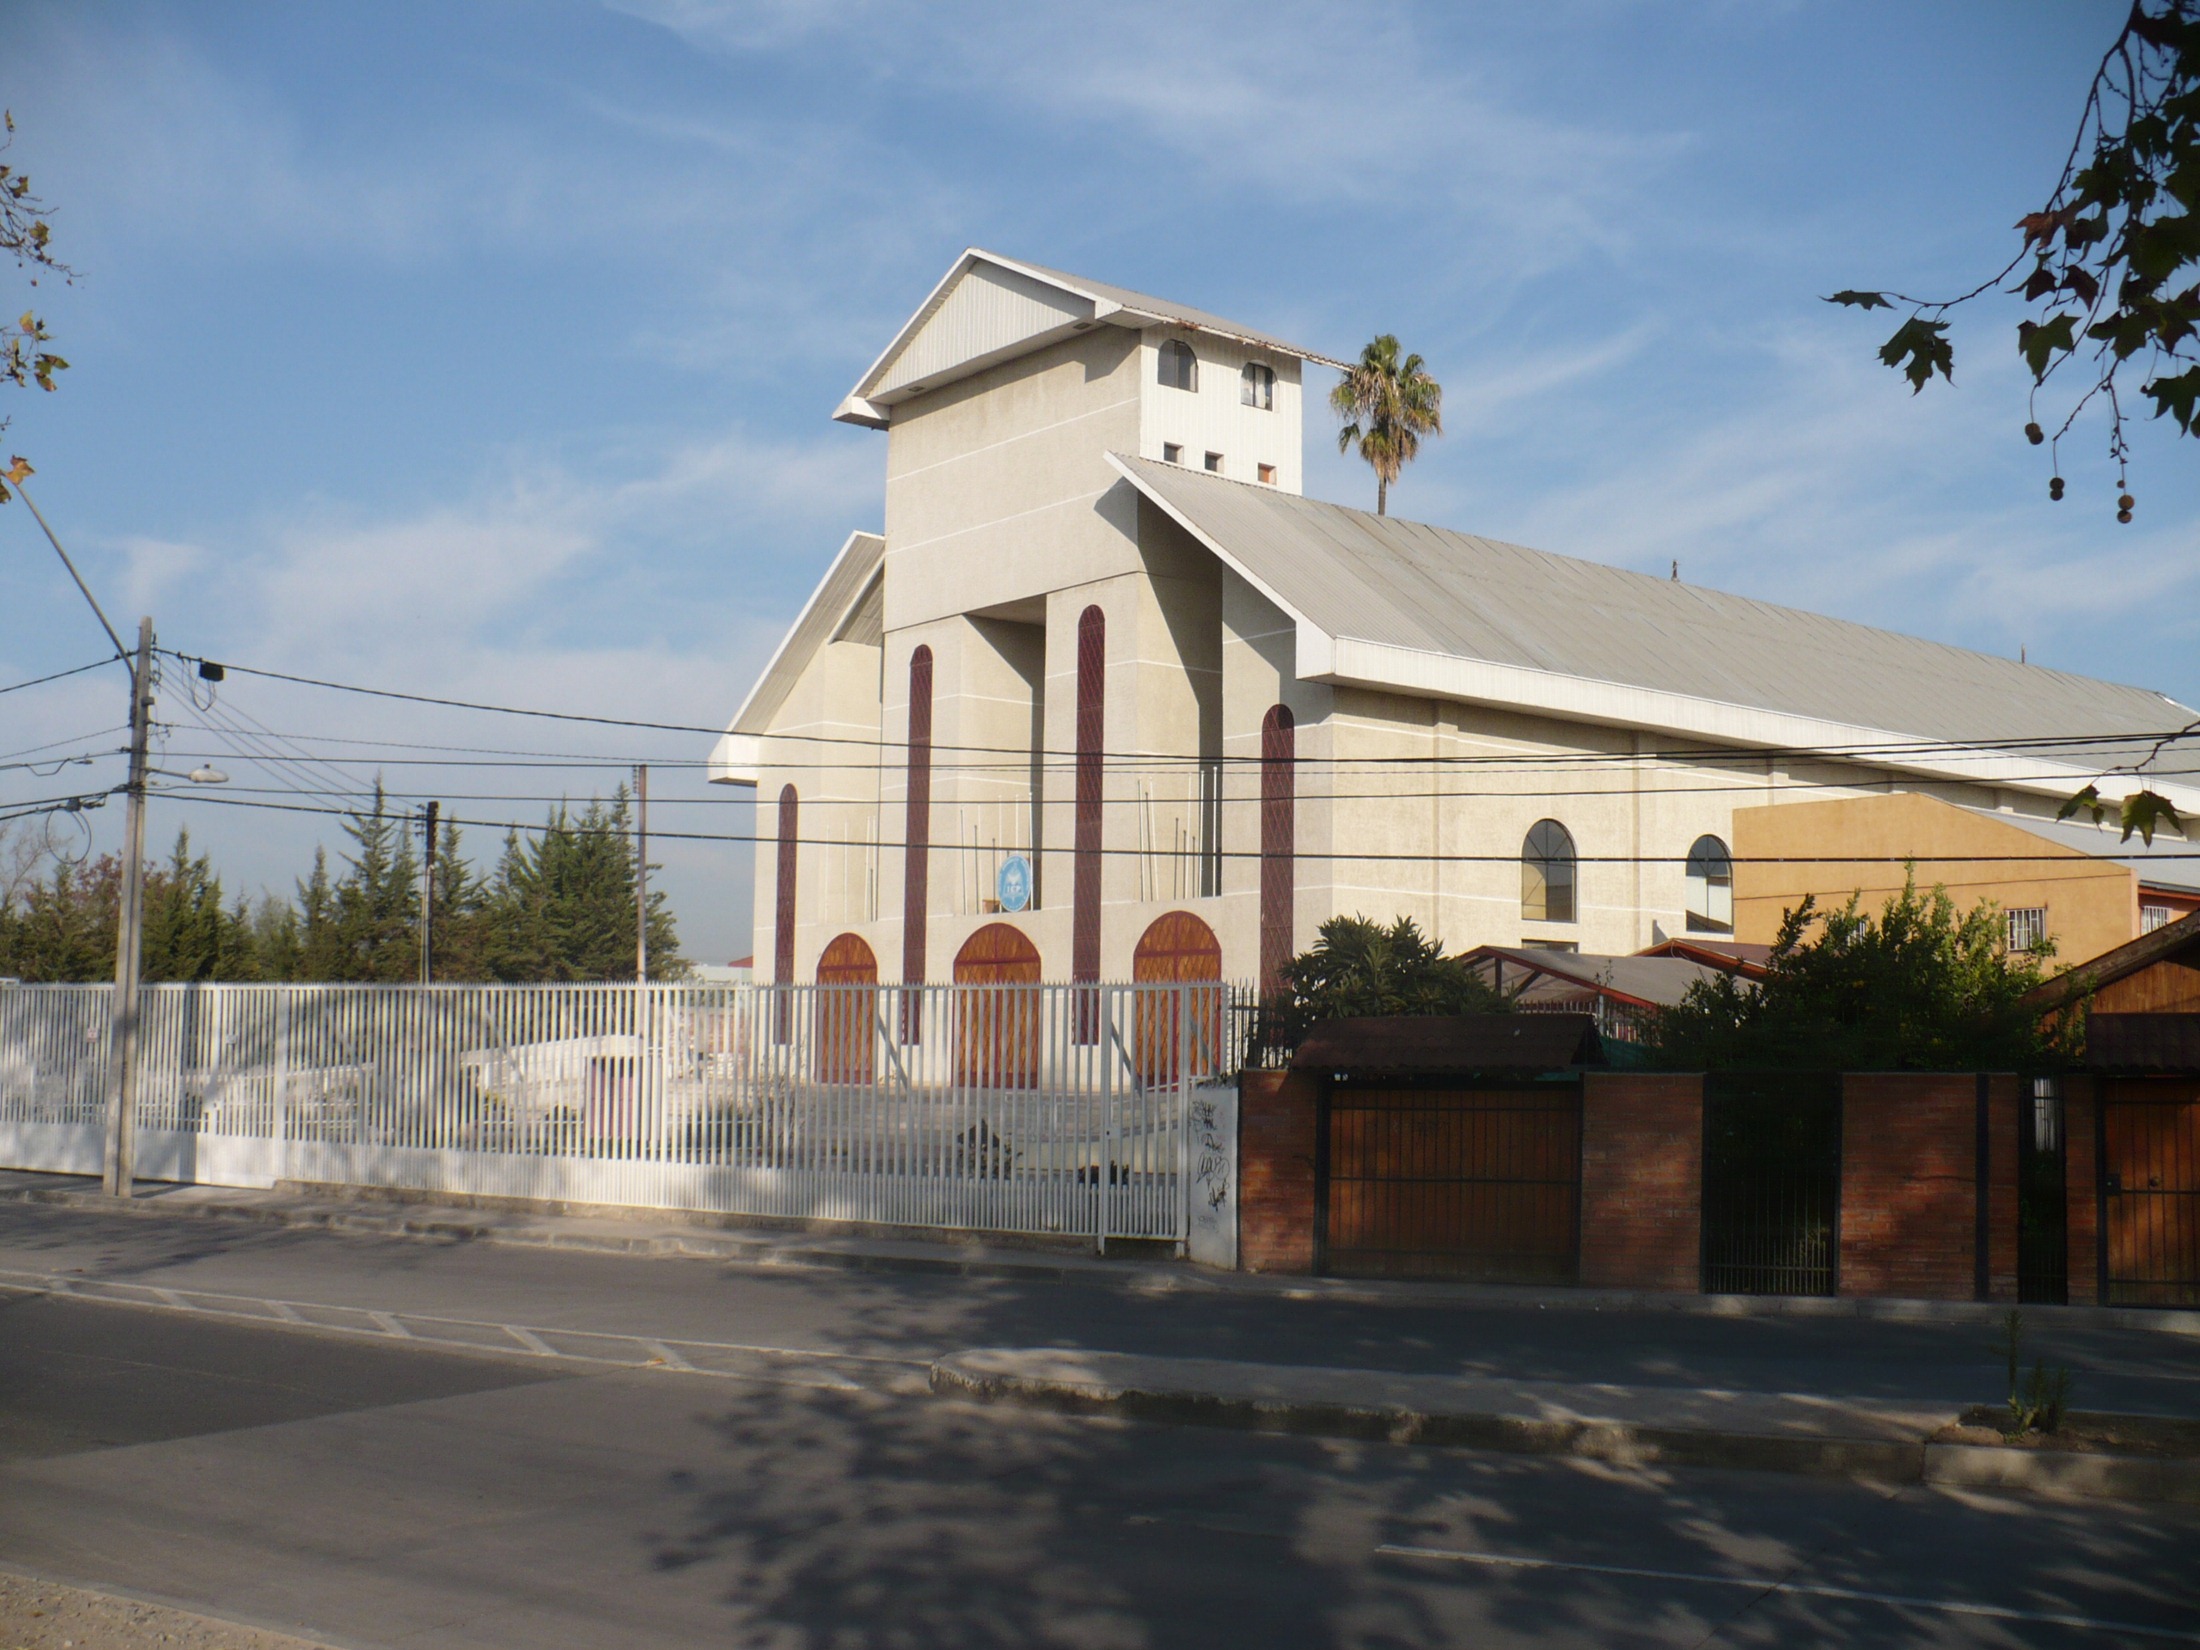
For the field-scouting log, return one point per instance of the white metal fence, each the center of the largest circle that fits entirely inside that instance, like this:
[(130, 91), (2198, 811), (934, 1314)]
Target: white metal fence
[(1043, 1108)]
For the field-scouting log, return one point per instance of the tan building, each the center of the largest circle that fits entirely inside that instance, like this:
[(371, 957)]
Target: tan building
[(1108, 698), (2078, 886)]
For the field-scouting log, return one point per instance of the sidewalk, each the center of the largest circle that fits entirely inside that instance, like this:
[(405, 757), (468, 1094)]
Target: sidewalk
[(675, 1234), (1884, 1442)]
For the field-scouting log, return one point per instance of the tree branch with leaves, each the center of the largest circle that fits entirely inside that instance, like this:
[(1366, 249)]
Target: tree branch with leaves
[(2111, 262), (26, 235)]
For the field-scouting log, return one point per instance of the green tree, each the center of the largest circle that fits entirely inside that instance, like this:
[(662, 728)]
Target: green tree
[(189, 933), (2108, 264), (460, 899), (377, 904), (561, 907), (1917, 987), (320, 951), (1387, 405), (62, 927), (1357, 967)]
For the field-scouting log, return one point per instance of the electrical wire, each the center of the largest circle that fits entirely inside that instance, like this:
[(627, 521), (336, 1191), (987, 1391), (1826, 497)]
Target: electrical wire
[(1885, 749), (41, 681), (1333, 855)]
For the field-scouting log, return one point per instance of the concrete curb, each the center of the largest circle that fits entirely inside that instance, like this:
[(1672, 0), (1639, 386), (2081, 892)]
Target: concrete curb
[(360, 1211), (981, 1376)]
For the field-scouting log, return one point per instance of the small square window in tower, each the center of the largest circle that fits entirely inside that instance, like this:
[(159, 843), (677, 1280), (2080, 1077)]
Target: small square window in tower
[(1214, 463), (1268, 474), (1257, 386), (1172, 452)]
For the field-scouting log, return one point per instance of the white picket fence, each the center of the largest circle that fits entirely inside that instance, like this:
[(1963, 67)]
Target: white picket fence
[(1046, 1108)]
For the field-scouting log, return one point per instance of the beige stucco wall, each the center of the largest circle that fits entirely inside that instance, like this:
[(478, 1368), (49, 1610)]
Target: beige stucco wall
[(2092, 904)]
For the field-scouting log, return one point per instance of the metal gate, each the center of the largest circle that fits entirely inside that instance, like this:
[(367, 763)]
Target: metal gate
[(2150, 1191), (1480, 1181), (2043, 1229), (1771, 1183)]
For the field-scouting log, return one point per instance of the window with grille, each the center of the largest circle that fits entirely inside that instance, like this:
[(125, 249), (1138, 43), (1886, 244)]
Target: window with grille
[(2027, 927), (2152, 917), (1257, 388), (1710, 887), (1547, 873)]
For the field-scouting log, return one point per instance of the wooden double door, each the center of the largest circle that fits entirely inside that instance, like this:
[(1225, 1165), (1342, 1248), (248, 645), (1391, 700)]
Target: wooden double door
[(2150, 1190)]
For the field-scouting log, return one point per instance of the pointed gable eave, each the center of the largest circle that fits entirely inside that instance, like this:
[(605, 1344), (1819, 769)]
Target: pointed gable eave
[(1056, 305), (736, 757)]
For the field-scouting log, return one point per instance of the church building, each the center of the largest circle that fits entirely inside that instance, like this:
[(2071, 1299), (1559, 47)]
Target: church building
[(1110, 698)]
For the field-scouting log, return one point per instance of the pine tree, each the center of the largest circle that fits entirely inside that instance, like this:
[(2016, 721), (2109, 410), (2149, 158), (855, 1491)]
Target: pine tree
[(378, 902), (460, 897), (320, 947)]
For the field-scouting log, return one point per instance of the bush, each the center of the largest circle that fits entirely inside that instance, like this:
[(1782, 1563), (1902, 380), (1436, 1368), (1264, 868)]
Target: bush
[(1357, 967), (1915, 988)]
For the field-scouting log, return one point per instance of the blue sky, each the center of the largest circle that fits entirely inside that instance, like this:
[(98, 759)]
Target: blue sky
[(489, 349)]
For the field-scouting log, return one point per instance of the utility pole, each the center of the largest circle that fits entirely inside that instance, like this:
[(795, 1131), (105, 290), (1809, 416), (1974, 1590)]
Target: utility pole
[(120, 1167), (641, 873), (427, 899)]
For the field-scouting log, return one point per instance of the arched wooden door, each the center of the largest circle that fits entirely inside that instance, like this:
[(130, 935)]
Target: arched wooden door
[(1178, 949), (997, 1029), (847, 1011)]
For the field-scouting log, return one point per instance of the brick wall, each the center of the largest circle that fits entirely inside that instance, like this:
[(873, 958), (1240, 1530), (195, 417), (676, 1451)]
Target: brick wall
[(1641, 1181), (1909, 1191), (1276, 1119), (2081, 1208)]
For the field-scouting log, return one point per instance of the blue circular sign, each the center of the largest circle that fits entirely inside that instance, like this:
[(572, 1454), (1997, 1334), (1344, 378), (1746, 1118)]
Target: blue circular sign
[(1013, 884)]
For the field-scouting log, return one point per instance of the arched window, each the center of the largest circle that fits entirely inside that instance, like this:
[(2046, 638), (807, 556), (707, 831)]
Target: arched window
[(1257, 387), (1710, 887), (1179, 366), (1547, 873)]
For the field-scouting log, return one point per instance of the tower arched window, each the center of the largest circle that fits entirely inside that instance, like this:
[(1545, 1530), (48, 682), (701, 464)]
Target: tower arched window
[(1257, 386), (1710, 887), (1179, 366), (1547, 873)]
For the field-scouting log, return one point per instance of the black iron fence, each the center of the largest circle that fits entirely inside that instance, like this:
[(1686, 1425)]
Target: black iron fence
[(1771, 1183)]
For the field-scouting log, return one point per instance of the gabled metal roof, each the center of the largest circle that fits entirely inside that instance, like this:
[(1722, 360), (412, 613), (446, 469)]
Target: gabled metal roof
[(2166, 862), (1034, 307), (1395, 603)]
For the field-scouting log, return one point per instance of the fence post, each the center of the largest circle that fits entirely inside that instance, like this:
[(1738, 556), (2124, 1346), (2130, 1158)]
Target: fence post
[(281, 1122)]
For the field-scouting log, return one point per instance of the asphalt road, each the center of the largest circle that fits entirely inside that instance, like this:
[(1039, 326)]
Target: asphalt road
[(368, 1494), (922, 1316)]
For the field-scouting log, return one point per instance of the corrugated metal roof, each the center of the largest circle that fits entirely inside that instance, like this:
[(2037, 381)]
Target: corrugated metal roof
[(1658, 981), (1408, 585), (2166, 862), (1168, 310)]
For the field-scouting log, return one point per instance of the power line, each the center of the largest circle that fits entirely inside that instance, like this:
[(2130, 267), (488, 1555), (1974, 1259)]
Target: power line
[(41, 681), (1334, 855), (1884, 749)]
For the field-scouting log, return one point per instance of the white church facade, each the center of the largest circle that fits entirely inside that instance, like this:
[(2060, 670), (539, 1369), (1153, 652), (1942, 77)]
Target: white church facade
[(1109, 698)]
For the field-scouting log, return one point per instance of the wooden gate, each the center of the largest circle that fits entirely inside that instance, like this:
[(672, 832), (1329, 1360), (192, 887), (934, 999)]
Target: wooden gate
[(997, 1032), (1478, 1181), (1177, 948), (2150, 1190), (847, 1012)]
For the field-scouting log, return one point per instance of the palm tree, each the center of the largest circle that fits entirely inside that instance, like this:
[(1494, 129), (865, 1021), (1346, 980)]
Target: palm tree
[(1387, 405)]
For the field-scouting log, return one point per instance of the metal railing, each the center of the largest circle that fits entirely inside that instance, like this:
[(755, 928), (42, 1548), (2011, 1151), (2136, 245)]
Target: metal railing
[(1040, 1108)]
